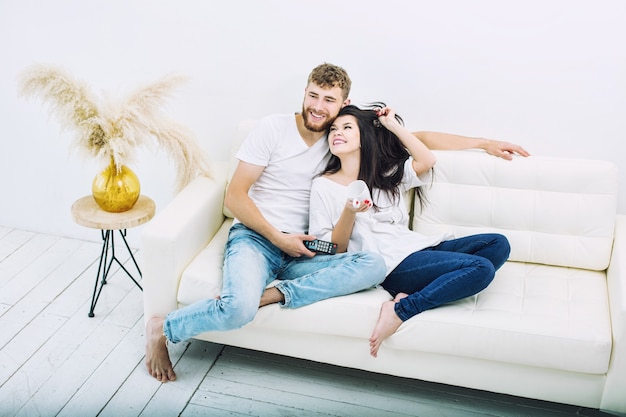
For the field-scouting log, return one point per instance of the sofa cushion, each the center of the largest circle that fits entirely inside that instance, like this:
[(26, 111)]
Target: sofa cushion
[(555, 211), (531, 314), (202, 278)]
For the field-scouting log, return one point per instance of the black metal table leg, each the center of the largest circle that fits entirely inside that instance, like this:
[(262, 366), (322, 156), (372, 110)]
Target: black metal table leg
[(106, 261)]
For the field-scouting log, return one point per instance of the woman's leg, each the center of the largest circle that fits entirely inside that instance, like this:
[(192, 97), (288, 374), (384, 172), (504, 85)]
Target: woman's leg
[(433, 277), (388, 323), (492, 246)]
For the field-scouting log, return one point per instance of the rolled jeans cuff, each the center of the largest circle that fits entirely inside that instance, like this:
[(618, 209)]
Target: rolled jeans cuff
[(167, 332), (281, 287)]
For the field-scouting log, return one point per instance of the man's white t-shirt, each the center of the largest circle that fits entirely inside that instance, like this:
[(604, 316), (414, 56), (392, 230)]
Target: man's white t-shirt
[(282, 191), (383, 230)]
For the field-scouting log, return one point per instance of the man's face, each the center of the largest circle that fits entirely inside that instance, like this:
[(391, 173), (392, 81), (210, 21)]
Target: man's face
[(321, 106)]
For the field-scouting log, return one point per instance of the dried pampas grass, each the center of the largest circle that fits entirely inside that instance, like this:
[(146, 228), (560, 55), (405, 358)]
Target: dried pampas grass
[(108, 129)]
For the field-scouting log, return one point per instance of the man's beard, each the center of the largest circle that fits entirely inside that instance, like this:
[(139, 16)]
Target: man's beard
[(312, 127)]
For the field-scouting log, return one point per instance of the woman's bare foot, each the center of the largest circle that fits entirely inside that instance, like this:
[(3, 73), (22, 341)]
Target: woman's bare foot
[(399, 296), (157, 357), (388, 323)]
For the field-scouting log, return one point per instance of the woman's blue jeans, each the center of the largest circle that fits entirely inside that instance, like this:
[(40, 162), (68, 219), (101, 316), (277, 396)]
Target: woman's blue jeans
[(251, 262), (448, 272)]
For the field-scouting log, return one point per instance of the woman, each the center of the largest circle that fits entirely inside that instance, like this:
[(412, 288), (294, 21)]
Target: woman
[(423, 272)]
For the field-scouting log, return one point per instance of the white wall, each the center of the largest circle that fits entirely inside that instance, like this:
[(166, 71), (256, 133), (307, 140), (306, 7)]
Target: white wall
[(548, 74)]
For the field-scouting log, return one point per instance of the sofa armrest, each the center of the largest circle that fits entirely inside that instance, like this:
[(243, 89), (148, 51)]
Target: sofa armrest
[(613, 398), (175, 236)]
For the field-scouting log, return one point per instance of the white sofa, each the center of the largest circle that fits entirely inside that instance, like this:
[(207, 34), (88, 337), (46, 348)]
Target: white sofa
[(551, 326)]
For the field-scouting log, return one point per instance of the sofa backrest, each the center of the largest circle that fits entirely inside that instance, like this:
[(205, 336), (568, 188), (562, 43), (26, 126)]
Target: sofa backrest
[(554, 211), (243, 129)]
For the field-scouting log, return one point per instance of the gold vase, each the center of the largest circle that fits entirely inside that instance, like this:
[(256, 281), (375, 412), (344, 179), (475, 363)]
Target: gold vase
[(116, 191)]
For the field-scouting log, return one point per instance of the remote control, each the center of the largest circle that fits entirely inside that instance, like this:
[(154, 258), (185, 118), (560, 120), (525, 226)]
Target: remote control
[(321, 246)]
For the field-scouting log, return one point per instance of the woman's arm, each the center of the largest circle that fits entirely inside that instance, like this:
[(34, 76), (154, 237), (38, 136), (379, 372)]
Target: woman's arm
[(451, 142), (323, 212), (343, 228), (423, 158)]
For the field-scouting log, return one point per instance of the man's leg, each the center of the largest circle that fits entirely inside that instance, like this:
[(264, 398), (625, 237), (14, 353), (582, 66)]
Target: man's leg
[(307, 280), (271, 296), (249, 262), (158, 360)]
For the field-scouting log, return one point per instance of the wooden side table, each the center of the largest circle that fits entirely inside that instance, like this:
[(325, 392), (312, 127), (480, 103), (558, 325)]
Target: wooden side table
[(87, 213)]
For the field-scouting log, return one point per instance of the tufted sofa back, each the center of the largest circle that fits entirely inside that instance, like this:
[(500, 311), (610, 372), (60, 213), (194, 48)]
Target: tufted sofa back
[(554, 211)]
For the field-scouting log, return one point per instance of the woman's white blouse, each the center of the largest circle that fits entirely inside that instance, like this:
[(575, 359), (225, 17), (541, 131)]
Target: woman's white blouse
[(382, 229)]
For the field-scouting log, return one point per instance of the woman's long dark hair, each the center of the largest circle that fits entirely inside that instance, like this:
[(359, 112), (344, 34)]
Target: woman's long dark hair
[(382, 154)]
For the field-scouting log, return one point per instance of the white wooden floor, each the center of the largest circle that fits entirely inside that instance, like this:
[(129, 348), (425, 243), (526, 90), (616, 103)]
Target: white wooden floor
[(55, 360)]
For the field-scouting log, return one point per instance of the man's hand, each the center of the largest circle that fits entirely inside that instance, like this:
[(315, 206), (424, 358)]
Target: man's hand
[(291, 244), (504, 150), (451, 142)]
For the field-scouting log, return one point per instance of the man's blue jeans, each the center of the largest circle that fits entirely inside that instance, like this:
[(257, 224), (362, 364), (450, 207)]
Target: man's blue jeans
[(450, 271), (251, 262)]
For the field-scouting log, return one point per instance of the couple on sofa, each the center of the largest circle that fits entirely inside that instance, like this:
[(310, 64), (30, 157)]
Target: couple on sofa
[(270, 194)]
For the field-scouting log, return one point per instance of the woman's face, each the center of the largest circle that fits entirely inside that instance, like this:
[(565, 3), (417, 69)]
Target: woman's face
[(344, 136)]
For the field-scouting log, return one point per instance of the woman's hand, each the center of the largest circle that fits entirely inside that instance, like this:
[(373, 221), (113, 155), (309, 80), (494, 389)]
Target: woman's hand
[(356, 206), (343, 228), (423, 158), (387, 117)]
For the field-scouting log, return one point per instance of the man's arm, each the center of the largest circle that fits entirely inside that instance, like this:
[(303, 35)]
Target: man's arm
[(451, 142), (245, 210)]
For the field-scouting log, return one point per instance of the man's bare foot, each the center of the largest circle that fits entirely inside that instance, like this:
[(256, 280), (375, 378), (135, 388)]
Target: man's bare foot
[(270, 296), (157, 357), (388, 323)]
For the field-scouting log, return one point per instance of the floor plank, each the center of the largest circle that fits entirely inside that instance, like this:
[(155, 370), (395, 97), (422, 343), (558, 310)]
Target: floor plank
[(139, 389), (193, 365), (245, 376), (20, 255), (53, 396), (42, 266), (109, 376), (4, 230), (12, 240)]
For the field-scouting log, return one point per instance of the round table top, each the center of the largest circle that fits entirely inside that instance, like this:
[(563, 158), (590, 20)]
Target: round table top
[(87, 213)]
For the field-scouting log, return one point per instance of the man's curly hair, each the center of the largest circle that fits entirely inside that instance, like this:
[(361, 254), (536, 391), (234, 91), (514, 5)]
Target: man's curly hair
[(329, 76)]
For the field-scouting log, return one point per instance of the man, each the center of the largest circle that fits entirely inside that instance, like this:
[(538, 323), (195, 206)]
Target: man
[(269, 197)]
